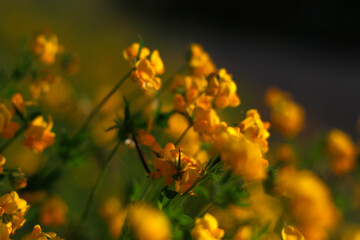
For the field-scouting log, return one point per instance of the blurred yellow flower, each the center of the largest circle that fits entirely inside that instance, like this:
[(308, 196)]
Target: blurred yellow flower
[(342, 151), (39, 136), (2, 162), (7, 127), (287, 116), (46, 47), (200, 62), (145, 75), (239, 154), (53, 212), (132, 52), (223, 88), (5, 230), (148, 223), (255, 129), (38, 234), (291, 233), (309, 201), (206, 123), (206, 228), (43, 84)]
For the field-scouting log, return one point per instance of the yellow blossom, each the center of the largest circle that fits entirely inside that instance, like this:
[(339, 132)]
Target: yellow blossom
[(38, 234), (14, 208), (255, 129), (132, 52), (200, 62), (239, 154), (53, 212), (206, 228), (46, 47), (39, 136), (5, 230), (206, 122), (342, 151), (291, 233), (146, 76), (2, 162), (223, 88), (7, 127), (148, 223), (287, 116), (309, 202)]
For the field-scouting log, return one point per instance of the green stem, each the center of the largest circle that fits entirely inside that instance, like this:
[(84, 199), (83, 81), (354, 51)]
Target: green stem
[(17, 134), (183, 134), (101, 104), (97, 185)]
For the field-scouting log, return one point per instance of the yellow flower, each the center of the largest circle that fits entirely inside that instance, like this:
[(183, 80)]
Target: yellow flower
[(206, 122), (200, 61), (239, 154), (255, 129), (145, 74), (309, 202), (206, 228), (132, 52), (287, 116), (39, 136), (14, 208), (38, 234), (46, 47), (2, 162), (53, 212), (291, 233), (7, 128), (223, 88), (148, 223), (342, 151)]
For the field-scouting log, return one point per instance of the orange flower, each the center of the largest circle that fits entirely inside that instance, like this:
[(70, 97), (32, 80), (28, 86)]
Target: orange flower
[(7, 128), (38, 234), (38, 135), (18, 101)]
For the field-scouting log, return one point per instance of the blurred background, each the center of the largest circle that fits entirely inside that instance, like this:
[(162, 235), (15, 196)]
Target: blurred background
[(310, 49)]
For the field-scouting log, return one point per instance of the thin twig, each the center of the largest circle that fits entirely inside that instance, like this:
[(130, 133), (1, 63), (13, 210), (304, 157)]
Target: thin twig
[(100, 105), (97, 185), (141, 154), (183, 134)]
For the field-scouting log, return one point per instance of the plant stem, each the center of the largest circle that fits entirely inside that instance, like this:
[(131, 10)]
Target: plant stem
[(141, 154), (97, 185), (183, 134), (101, 104), (17, 134)]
